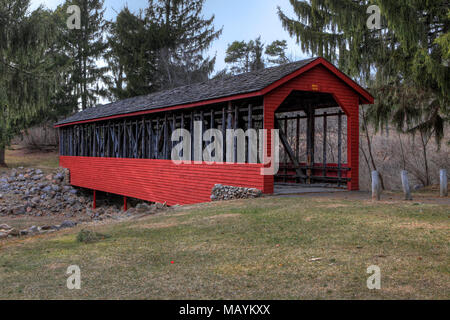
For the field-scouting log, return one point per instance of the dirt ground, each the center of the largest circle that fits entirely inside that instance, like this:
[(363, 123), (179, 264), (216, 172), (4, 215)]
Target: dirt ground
[(428, 195)]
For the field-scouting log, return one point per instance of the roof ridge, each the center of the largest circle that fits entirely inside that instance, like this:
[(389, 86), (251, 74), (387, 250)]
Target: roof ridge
[(243, 83), (255, 72)]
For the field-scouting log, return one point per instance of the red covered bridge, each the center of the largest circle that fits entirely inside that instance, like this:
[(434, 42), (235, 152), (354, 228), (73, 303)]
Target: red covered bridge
[(124, 147)]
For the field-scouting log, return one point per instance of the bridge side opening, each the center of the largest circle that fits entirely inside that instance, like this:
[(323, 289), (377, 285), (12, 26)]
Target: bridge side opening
[(313, 141)]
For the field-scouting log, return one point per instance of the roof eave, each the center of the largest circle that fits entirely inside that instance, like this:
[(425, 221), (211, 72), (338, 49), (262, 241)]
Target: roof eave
[(170, 108), (364, 96)]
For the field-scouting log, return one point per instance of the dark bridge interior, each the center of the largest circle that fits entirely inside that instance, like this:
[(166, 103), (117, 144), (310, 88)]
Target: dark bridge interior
[(314, 142)]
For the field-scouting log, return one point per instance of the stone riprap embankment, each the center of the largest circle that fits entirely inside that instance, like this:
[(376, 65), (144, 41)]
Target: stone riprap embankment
[(35, 193)]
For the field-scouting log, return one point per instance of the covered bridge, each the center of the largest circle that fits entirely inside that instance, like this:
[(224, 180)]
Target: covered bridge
[(124, 147)]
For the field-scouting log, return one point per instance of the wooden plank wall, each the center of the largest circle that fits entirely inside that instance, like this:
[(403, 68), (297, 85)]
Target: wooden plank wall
[(159, 180)]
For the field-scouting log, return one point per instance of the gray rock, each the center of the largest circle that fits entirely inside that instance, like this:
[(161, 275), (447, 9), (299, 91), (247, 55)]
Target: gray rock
[(14, 233), (19, 210), (143, 207), (33, 229), (220, 192), (68, 224), (36, 200), (34, 190), (160, 206), (42, 185), (5, 227)]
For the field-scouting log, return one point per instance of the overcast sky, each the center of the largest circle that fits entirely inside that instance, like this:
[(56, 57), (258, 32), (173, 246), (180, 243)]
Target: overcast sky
[(240, 19)]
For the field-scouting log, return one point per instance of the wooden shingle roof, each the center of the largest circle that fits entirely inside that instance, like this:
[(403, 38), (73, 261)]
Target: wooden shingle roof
[(212, 89)]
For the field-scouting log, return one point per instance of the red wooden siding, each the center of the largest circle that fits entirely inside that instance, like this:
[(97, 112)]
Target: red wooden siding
[(320, 79), (159, 180)]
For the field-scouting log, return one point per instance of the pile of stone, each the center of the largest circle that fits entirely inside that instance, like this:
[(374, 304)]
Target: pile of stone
[(7, 231), (31, 192), (146, 208), (221, 192)]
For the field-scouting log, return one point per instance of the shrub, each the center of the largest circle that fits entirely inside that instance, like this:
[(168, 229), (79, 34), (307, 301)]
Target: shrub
[(88, 236)]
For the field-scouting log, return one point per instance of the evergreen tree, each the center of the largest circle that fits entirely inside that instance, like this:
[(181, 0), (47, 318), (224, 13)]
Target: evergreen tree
[(134, 43), (85, 47), (188, 35), (160, 48), (245, 56), (239, 56), (257, 48), (28, 68), (65, 99), (276, 52), (401, 62), (337, 30), (253, 55), (421, 28)]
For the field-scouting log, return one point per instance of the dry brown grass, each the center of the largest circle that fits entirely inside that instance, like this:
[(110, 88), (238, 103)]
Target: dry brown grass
[(17, 156), (270, 248)]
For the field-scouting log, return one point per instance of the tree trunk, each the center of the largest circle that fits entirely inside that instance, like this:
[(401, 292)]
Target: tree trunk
[(369, 147), (2, 157), (424, 141), (365, 156), (403, 151)]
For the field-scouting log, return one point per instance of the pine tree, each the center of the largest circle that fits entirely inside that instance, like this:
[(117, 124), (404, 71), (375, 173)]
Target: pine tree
[(239, 56), (257, 48), (160, 48), (421, 28), (254, 55), (402, 62), (134, 42), (276, 52), (28, 68), (245, 56), (65, 100), (86, 47), (188, 35)]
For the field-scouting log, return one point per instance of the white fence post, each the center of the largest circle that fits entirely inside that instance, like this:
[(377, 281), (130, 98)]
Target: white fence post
[(405, 184), (444, 183), (376, 187)]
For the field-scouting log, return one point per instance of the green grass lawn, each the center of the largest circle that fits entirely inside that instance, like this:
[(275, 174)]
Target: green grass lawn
[(255, 249)]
